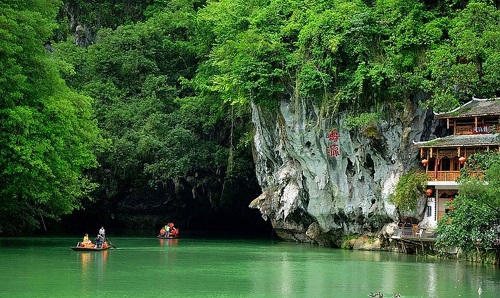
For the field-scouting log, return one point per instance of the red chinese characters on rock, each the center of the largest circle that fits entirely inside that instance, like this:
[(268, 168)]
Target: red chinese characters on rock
[(333, 136), (333, 150)]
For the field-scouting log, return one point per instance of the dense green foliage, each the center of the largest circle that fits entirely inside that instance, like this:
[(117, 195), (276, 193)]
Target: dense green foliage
[(409, 189), (353, 55), (171, 82), (170, 145), (82, 18), (48, 135), (474, 223)]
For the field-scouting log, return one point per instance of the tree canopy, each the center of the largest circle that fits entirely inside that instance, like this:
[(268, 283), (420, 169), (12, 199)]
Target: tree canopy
[(353, 54), (473, 223), (48, 133)]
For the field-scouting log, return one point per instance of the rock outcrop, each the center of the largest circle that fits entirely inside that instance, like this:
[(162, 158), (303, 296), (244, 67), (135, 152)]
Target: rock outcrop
[(318, 186)]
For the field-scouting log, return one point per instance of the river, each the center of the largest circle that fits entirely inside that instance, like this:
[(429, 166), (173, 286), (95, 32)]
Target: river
[(204, 267)]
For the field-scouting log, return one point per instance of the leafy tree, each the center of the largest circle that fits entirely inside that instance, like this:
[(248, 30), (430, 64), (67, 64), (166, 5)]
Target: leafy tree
[(352, 55), (170, 146), (408, 190), (81, 19), (48, 133), (466, 64), (473, 223)]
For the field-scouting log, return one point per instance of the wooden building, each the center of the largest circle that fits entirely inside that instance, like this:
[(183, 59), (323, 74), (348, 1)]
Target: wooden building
[(465, 131)]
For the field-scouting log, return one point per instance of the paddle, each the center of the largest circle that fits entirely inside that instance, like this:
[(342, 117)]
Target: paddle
[(110, 244)]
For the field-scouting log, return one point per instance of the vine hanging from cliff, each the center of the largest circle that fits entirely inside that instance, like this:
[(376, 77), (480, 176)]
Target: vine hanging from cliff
[(408, 190)]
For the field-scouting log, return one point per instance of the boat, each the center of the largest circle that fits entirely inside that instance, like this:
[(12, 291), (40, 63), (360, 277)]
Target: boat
[(173, 232), (80, 246), (83, 248), (169, 237)]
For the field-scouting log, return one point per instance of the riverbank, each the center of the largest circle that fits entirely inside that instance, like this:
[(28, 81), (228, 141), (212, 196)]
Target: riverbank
[(419, 245)]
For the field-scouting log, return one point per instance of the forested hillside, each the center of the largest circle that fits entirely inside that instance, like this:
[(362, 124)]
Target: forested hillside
[(139, 112), (48, 134)]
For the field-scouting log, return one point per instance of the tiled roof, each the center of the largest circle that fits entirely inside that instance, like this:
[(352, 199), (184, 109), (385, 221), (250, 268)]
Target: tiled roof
[(475, 107), (462, 141)]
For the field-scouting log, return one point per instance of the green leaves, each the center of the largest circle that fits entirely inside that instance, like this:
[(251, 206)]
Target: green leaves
[(47, 132), (472, 224), (409, 188), (462, 65), (349, 55)]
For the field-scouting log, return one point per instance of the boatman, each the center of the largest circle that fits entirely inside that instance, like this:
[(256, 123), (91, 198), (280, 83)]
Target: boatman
[(167, 229), (102, 232)]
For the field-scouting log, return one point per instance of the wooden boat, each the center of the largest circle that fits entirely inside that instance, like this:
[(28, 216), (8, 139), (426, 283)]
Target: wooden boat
[(172, 234), (90, 247), (82, 248), (169, 237)]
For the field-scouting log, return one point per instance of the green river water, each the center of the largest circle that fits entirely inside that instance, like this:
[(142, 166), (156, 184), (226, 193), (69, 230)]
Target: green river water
[(149, 267)]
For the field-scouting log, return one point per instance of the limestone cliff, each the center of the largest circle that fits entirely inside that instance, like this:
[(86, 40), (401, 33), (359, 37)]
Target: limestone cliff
[(312, 193)]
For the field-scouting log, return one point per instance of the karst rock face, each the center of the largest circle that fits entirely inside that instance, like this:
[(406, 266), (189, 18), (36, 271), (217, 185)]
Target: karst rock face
[(320, 180)]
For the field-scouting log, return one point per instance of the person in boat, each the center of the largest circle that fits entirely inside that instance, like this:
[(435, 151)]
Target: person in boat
[(102, 232), (82, 244), (86, 241), (99, 240), (173, 230), (162, 232), (167, 229)]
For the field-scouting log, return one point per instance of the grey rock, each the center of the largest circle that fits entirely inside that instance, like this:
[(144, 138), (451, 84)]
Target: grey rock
[(311, 197)]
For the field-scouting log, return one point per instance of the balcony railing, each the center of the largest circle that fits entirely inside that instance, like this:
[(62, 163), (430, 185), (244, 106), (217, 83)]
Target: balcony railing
[(448, 175), (443, 175)]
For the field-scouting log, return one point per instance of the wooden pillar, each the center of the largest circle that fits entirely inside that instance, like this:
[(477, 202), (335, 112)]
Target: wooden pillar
[(436, 205), (436, 163)]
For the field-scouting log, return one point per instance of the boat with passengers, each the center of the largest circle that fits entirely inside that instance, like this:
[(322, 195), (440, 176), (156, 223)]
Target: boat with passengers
[(101, 243), (169, 231)]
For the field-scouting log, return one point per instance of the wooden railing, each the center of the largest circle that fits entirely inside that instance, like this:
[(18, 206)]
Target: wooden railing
[(412, 232), (463, 130), (443, 176), (448, 175)]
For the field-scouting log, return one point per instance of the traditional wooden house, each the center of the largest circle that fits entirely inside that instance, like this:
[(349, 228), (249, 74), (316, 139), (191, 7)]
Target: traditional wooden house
[(464, 131)]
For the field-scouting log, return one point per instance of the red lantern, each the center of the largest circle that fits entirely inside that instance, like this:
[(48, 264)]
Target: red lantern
[(462, 159), (425, 162), (429, 192)]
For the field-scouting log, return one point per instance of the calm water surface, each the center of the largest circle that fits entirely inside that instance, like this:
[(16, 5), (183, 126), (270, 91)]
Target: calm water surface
[(148, 267)]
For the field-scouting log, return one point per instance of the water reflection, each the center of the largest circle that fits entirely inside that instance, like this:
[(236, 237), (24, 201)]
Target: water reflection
[(169, 242), (92, 263), (167, 256)]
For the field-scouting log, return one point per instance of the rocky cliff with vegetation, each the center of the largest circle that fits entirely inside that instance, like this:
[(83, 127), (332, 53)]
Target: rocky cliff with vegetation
[(311, 195), (152, 110)]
